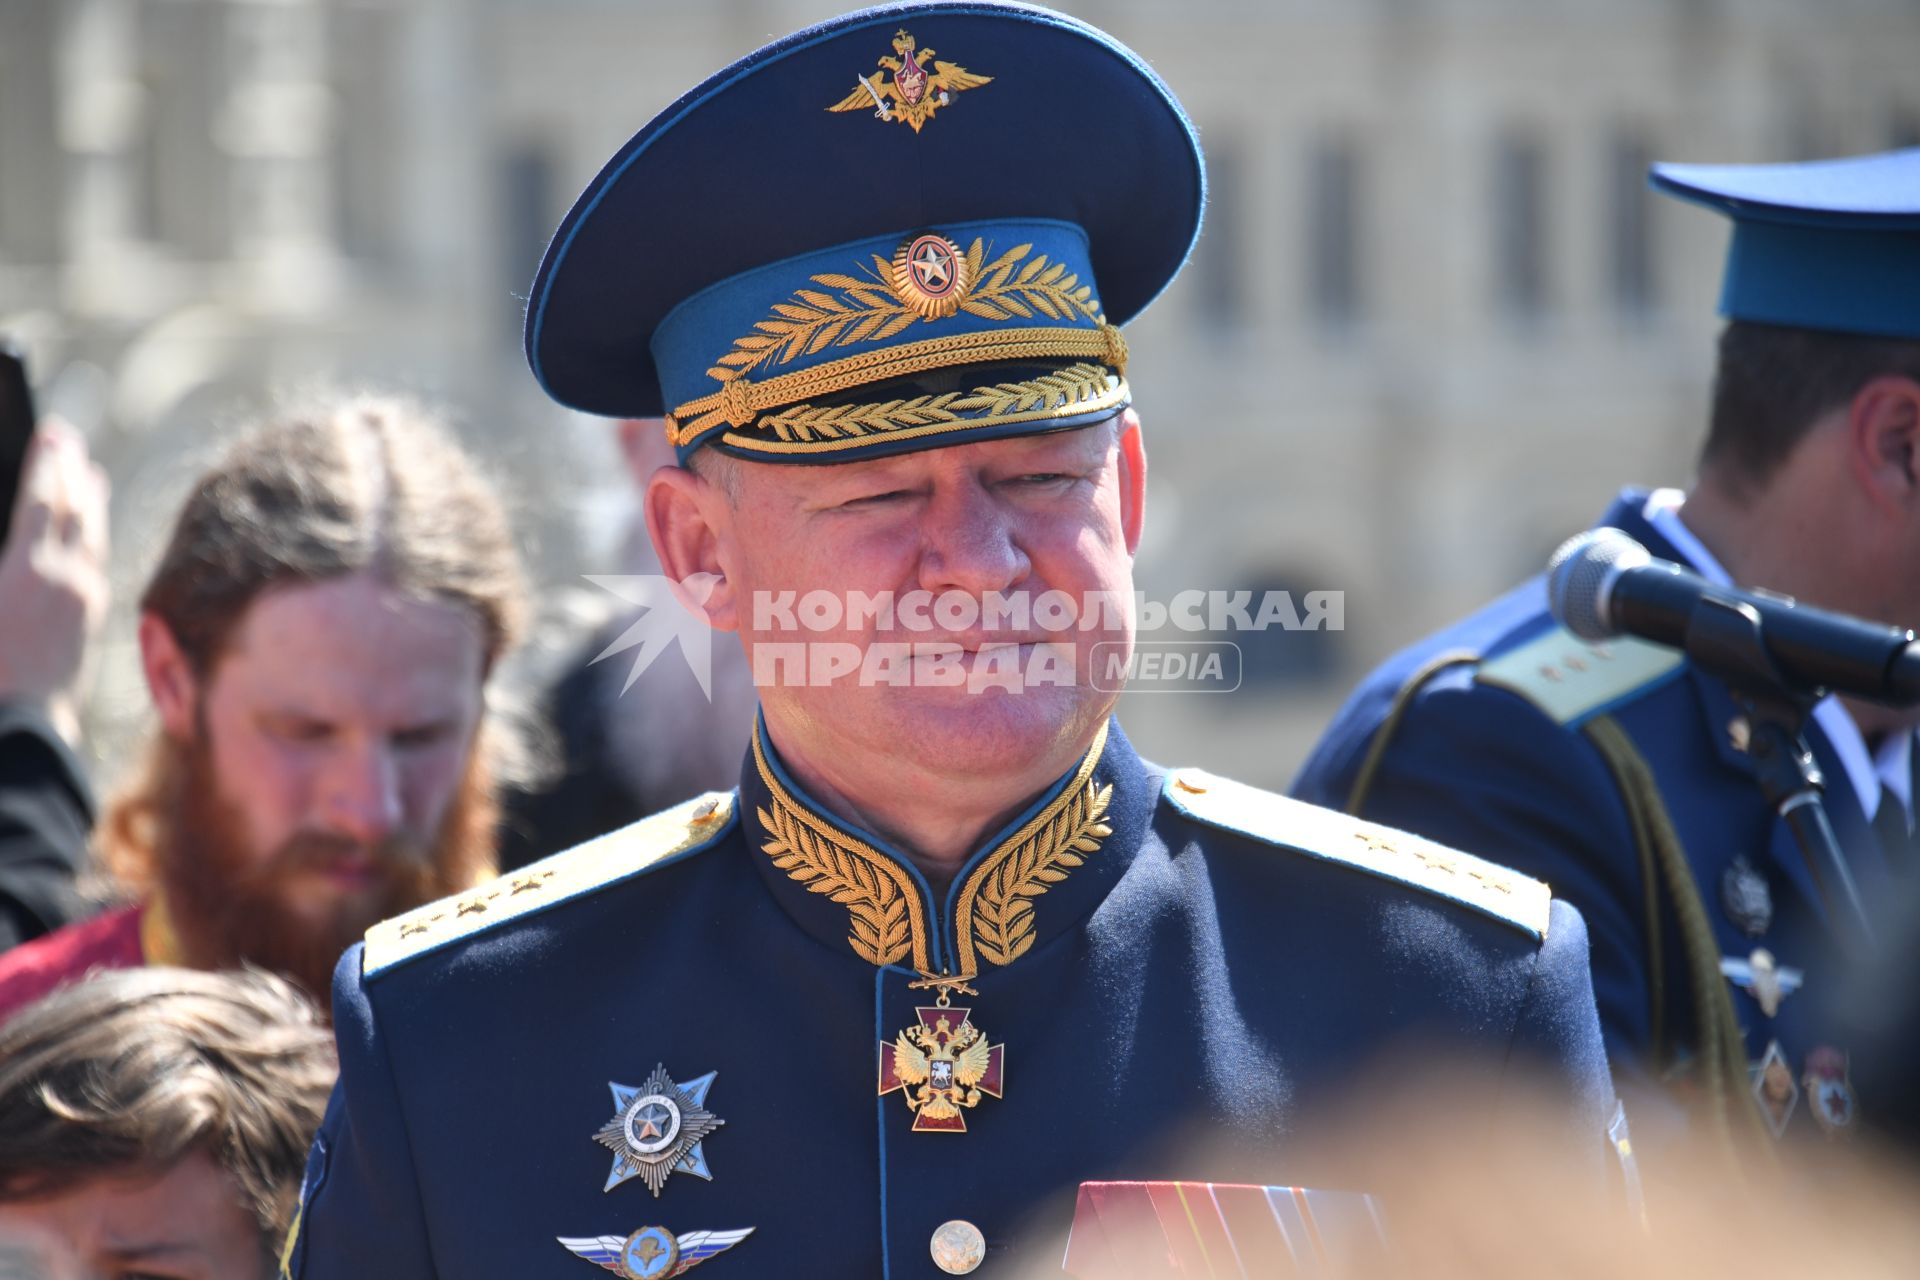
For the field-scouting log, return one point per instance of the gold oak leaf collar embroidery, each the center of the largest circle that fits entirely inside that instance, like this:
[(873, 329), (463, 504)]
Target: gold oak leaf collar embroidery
[(887, 915)]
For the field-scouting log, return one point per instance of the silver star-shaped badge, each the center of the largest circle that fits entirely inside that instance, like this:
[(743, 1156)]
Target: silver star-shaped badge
[(657, 1130)]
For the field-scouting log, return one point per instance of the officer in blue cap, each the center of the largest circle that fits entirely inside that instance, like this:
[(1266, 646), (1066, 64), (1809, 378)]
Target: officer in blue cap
[(951, 948), (1621, 773)]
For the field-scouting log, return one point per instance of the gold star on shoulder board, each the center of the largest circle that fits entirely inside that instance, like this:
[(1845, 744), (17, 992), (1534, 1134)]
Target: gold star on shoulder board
[(528, 883)]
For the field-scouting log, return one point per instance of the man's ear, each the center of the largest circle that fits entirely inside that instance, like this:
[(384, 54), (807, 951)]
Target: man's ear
[(1133, 479), (1883, 428), (690, 522), (170, 679)]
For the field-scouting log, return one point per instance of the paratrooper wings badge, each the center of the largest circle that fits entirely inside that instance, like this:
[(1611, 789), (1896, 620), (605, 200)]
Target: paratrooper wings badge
[(653, 1253)]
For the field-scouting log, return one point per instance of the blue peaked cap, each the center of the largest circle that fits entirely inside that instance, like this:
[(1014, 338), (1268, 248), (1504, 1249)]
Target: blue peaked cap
[(1826, 244), (914, 225)]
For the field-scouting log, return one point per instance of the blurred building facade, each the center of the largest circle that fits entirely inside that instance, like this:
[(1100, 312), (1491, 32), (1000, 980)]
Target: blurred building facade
[(1435, 321)]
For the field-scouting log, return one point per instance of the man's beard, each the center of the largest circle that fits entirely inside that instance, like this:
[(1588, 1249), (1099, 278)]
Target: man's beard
[(228, 906)]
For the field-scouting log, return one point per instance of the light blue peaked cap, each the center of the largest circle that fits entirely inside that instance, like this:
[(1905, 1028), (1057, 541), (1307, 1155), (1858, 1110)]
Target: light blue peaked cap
[(909, 226), (1826, 244)]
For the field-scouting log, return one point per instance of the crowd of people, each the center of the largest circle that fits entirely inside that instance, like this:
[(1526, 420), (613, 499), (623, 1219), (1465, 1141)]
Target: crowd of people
[(335, 980)]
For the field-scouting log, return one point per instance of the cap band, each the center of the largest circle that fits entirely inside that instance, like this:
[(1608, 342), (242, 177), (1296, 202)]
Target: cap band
[(1842, 280), (782, 336)]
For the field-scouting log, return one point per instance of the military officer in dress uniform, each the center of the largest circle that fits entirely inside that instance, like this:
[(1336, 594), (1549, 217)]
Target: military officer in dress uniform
[(1620, 773), (952, 947)]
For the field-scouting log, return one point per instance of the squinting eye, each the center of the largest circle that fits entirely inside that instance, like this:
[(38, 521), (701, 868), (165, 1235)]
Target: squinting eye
[(425, 736), (872, 499)]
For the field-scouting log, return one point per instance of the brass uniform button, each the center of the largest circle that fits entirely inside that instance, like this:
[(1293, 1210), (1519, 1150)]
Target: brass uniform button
[(957, 1247)]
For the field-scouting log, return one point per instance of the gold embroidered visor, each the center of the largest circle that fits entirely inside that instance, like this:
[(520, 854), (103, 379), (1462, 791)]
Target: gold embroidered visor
[(899, 342)]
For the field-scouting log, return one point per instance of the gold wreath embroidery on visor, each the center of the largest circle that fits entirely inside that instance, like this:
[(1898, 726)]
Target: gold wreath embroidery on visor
[(995, 918), (933, 279), (1050, 394), (876, 307), (911, 94)]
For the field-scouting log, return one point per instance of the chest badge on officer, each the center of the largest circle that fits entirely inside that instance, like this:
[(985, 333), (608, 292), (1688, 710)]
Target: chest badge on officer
[(658, 1130), (1830, 1091), (1746, 897), (1762, 978), (1774, 1088), (945, 1065), (653, 1253)]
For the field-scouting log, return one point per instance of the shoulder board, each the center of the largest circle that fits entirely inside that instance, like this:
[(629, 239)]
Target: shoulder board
[(1573, 681), (686, 828), (1332, 836)]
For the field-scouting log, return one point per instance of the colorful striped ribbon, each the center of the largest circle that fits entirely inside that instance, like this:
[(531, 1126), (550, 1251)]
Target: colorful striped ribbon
[(1221, 1231)]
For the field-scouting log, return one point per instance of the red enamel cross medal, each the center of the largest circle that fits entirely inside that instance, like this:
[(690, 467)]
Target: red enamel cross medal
[(945, 1065)]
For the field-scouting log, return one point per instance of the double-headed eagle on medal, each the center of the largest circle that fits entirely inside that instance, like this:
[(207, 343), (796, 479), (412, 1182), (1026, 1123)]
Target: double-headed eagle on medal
[(942, 1067)]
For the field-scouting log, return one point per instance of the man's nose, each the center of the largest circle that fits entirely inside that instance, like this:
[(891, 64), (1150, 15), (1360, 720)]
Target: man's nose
[(969, 543), (363, 794)]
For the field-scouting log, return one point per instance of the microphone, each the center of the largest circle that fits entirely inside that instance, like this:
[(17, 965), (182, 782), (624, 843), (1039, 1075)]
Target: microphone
[(1603, 584)]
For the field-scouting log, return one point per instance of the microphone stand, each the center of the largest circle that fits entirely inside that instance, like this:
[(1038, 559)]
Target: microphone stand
[(1723, 637)]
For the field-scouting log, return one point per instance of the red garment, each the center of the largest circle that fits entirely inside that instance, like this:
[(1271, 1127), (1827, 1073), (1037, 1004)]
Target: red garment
[(32, 969)]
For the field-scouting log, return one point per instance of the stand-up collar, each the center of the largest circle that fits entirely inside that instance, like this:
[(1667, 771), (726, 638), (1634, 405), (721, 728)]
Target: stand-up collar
[(1628, 513), (1037, 877)]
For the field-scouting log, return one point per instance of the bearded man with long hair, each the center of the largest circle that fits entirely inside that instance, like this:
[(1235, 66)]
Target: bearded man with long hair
[(317, 640)]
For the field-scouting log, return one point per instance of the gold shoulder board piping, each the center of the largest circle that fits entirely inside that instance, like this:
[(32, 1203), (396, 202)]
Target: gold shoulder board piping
[(1333, 836), (683, 829), (1571, 680)]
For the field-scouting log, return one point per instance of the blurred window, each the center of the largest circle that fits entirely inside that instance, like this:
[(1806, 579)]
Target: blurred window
[(33, 188), (1630, 256), (1519, 223), (1805, 128), (1333, 232), (1220, 262), (363, 63), (179, 177), (1300, 648), (1903, 127), (528, 182)]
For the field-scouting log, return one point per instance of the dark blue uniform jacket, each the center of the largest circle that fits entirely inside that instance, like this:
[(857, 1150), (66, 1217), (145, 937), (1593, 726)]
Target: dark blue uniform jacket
[(1490, 756), (1155, 959)]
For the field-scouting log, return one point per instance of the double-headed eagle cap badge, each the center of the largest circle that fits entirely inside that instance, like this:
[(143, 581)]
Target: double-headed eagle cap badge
[(904, 90)]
